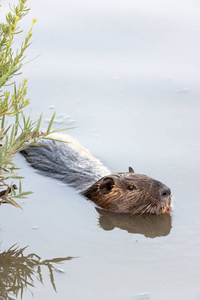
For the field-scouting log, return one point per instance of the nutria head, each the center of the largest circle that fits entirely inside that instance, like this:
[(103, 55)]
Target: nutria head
[(129, 192)]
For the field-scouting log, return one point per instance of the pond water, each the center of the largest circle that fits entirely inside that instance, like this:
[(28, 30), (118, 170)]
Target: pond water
[(126, 73)]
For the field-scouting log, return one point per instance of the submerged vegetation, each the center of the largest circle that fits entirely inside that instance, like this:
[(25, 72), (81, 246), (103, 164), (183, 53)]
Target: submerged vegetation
[(15, 128)]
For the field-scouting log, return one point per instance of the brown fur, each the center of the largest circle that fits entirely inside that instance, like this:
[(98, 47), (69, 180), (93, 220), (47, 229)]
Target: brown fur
[(130, 193)]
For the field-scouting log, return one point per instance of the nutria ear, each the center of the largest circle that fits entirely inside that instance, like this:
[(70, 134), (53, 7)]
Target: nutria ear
[(106, 185), (131, 170)]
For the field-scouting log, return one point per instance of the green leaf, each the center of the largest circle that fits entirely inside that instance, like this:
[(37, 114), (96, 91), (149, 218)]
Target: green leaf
[(12, 134), (38, 126), (16, 177), (12, 202), (6, 76), (20, 187), (3, 122), (50, 123)]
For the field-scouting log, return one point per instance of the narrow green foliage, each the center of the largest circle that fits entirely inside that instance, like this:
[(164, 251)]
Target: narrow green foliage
[(16, 131), (2, 121), (20, 187), (10, 62), (38, 126), (50, 123)]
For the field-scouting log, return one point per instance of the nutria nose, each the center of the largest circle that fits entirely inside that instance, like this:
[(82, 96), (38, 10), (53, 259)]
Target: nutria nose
[(165, 191)]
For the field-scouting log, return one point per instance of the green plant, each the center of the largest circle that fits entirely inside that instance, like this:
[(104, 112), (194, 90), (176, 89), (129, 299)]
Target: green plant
[(16, 131)]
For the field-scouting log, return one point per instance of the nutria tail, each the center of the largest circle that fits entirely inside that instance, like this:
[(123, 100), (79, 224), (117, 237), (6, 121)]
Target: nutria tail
[(66, 160)]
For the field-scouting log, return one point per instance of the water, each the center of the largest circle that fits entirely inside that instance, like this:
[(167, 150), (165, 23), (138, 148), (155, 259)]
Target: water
[(127, 74)]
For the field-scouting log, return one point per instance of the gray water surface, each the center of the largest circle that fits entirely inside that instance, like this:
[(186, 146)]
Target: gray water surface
[(127, 74)]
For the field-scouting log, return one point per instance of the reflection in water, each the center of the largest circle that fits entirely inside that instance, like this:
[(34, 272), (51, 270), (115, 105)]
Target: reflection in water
[(149, 225), (17, 271)]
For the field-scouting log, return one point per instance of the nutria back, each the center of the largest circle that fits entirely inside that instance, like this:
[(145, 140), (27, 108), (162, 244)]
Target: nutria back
[(63, 158)]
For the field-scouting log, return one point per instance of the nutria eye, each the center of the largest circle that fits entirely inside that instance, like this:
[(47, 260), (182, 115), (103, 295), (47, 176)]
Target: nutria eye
[(131, 187)]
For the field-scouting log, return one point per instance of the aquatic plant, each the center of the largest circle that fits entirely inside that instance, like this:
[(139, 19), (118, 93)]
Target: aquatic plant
[(15, 128)]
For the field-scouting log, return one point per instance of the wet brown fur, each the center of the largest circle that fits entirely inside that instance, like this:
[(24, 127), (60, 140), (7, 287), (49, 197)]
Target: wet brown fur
[(130, 193)]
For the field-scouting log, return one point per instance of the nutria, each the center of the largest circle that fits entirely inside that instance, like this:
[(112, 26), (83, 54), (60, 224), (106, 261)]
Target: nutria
[(65, 159)]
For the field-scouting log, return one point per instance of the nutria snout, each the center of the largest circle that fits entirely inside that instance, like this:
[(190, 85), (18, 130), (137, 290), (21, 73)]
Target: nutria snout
[(129, 192), (165, 191)]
